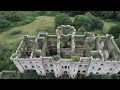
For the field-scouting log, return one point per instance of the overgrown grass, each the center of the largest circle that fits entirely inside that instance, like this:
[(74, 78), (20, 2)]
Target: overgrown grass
[(107, 25), (42, 23), (46, 30), (29, 29), (15, 32)]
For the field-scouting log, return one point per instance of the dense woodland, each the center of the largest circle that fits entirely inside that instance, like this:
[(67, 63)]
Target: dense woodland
[(14, 24)]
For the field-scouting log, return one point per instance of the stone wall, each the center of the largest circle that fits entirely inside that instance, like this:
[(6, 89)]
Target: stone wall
[(86, 65)]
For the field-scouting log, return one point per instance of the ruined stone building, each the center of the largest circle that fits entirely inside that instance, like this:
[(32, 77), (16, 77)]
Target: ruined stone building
[(68, 53)]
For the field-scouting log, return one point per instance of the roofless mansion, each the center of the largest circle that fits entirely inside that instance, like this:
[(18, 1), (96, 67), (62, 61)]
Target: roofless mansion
[(68, 53)]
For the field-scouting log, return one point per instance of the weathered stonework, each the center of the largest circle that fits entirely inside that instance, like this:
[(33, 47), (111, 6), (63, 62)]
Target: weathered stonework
[(98, 54)]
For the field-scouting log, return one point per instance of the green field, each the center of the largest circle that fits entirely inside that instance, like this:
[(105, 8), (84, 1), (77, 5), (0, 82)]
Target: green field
[(30, 29), (107, 25)]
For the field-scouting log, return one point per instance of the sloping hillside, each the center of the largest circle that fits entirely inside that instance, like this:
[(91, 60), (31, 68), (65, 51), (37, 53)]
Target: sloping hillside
[(30, 29)]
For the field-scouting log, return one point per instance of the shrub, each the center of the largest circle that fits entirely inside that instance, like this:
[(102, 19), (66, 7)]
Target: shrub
[(52, 13), (30, 75), (98, 23), (56, 57), (50, 76), (15, 32), (118, 17), (64, 76), (62, 44), (117, 41), (103, 14), (82, 21), (81, 30), (73, 13), (5, 53), (4, 23), (75, 58), (14, 15), (89, 15), (115, 31), (114, 76), (47, 29), (62, 19)]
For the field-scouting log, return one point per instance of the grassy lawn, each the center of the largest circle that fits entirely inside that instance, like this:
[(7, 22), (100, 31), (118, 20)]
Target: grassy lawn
[(107, 25), (29, 29)]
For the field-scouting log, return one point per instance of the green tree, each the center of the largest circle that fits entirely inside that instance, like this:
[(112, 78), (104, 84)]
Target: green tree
[(5, 62), (74, 13), (103, 14), (14, 15), (81, 30), (98, 23), (62, 19), (4, 23), (30, 74), (82, 21), (78, 76), (75, 58), (115, 31), (89, 15), (50, 76), (114, 76), (117, 41)]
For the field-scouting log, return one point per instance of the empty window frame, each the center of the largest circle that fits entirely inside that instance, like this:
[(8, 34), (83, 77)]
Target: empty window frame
[(40, 71), (65, 66), (97, 72), (51, 65), (85, 65), (118, 72), (92, 67), (99, 68), (38, 66), (80, 65), (25, 66), (32, 66), (108, 73), (47, 70), (83, 71), (110, 69), (91, 73)]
